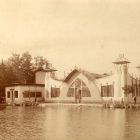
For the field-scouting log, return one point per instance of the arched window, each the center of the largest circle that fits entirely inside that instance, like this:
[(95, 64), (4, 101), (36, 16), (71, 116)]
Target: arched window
[(78, 84)]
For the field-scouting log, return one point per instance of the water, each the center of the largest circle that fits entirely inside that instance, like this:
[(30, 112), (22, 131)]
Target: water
[(68, 123)]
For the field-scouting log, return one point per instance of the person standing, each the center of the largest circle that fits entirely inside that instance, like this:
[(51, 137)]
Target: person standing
[(135, 99)]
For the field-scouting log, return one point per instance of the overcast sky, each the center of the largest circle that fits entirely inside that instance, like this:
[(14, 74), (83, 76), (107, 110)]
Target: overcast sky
[(85, 33)]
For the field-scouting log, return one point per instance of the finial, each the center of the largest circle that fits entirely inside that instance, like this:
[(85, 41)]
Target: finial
[(121, 55), (75, 67)]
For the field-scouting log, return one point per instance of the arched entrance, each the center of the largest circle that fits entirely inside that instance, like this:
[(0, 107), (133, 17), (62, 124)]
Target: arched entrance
[(78, 90)]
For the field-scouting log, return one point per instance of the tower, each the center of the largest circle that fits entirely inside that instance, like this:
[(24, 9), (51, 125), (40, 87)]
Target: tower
[(50, 73), (138, 70), (122, 65)]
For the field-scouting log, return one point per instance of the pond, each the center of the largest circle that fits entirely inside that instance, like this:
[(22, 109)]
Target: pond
[(68, 123)]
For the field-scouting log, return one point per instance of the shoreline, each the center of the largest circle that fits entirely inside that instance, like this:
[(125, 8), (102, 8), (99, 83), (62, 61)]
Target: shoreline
[(70, 104), (96, 105)]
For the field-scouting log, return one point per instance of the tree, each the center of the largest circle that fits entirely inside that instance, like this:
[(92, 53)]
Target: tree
[(14, 68), (19, 69), (40, 62), (127, 89), (27, 67), (2, 79)]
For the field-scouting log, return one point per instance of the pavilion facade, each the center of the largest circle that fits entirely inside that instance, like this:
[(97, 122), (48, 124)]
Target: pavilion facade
[(81, 86)]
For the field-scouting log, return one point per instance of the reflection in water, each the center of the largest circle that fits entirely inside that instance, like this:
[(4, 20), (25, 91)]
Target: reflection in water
[(68, 123)]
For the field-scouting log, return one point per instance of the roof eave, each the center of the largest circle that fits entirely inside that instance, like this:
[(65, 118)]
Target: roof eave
[(121, 62)]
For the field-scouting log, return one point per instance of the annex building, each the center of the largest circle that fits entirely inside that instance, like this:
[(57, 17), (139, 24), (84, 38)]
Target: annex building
[(79, 86)]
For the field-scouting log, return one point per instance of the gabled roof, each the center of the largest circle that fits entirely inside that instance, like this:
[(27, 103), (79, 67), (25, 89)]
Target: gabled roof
[(90, 76)]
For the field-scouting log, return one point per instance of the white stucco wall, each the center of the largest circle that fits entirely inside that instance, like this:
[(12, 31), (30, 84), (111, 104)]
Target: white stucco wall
[(40, 77), (20, 90), (15, 88), (50, 82), (94, 86), (116, 81)]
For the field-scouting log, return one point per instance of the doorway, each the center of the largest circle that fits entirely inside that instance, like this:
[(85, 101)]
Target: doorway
[(12, 95)]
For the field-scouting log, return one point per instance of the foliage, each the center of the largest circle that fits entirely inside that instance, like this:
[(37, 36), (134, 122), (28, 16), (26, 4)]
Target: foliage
[(127, 89), (40, 62), (27, 67)]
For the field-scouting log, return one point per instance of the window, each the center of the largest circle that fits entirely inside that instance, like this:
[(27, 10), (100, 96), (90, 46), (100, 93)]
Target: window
[(85, 92), (78, 84), (31, 94), (71, 92), (55, 92), (25, 94), (8, 94), (107, 91), (38, 94), (16, 94)]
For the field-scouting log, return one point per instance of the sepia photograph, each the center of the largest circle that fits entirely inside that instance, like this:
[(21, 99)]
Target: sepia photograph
[(69, 69)]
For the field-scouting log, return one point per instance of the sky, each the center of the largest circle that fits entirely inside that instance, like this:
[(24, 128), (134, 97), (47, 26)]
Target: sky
[(89, 34)]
